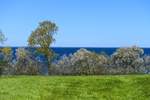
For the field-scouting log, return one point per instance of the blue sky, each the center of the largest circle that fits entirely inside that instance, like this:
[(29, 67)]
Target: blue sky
[(82, 23)]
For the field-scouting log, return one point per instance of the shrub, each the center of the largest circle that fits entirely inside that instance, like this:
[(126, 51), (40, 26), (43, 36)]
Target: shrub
[(26, 62), (6, 57), (129, 59), (147, 63), (82, 62)]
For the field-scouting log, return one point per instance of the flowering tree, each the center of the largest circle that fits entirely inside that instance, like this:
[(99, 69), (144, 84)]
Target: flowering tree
[(128, 58)]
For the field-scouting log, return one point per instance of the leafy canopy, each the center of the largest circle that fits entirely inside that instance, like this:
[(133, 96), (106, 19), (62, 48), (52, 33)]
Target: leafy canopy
[(42, 36), (2, 37)]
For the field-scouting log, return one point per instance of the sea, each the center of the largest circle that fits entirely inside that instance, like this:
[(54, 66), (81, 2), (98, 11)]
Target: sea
[(60, 51), (107, 50)]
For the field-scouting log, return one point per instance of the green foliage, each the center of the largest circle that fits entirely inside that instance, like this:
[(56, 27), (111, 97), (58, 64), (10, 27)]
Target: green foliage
[(129, 58), (42, 37), (6, 60), (21, 53), (82, 62), (6, 50), (2, 37), (130, 87), (26, 63), (7, 54)]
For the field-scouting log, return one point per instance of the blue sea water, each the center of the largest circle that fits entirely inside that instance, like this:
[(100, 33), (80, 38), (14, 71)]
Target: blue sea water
[(109, 51), (60, 51), (70, 50)]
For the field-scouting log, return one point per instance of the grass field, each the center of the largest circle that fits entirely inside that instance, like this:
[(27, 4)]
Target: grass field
[(128, 87)]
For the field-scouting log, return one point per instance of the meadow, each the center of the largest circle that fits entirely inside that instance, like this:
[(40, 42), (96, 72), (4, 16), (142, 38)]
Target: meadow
[(107, 87)]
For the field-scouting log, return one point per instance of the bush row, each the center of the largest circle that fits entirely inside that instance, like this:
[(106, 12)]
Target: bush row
[(128, 60)]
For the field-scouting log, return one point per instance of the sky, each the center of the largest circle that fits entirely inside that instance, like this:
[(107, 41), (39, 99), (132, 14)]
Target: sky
[(82, 23)]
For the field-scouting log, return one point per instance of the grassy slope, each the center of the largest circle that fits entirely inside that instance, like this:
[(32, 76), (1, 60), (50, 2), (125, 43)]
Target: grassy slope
[(131, 87)]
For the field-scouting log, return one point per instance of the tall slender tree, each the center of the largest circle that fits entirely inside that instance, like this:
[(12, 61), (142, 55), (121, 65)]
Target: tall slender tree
[(42, 37)]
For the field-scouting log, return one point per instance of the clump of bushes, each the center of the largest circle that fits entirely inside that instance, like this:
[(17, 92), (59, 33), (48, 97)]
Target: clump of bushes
[(6, 60), (147, 64), (83, 62), (128, 60), (26, 63)]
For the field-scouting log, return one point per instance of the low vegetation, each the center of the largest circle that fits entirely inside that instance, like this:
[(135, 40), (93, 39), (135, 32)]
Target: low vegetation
[(83, 62)]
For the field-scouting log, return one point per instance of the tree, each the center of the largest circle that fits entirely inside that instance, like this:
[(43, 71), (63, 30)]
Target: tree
[(2, 37), (42, 37), (128, 58)]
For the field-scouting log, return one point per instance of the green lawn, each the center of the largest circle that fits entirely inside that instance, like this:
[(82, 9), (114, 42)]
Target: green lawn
[(128, 87)]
